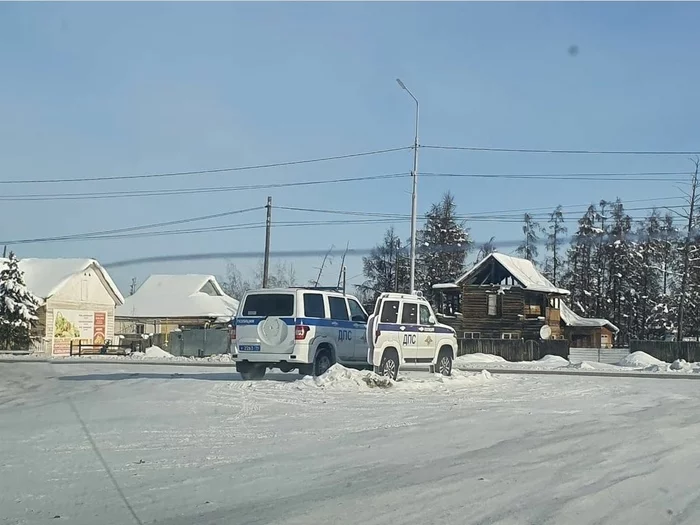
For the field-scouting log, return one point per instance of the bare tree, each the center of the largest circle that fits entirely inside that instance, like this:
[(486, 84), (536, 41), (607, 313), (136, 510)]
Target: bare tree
[(555, 238), (486, 249)]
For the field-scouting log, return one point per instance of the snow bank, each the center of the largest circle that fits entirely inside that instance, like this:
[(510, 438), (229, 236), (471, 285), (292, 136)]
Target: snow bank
[(639, 360), (338, 377), (341, 378), (553, 360), (156, 351), (479, 358), (583, 365)]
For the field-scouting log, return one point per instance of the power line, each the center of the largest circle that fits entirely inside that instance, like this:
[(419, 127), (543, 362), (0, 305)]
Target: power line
[(216, 170), (99, 234), (604, 177), (560, 151), (495, 215), (253, 225), (189, 191), (601, 177), (302, 253)]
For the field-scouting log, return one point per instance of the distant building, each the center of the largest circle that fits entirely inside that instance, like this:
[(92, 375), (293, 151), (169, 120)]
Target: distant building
[(164, 303), (504, 297), (78, 301)]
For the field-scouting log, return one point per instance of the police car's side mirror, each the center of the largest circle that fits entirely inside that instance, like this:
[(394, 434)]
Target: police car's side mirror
[(431, 320)]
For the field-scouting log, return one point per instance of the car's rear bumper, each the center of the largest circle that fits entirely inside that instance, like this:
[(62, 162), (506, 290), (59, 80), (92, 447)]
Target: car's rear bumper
[(300, 355)]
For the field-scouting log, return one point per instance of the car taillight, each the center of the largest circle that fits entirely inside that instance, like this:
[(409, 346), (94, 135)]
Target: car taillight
[(300, 332), (377, 333), (233, 332)]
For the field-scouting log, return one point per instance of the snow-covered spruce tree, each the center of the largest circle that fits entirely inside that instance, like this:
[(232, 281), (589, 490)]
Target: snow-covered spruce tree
[(441, 246), (386, 268), (580, 277), (17, 307)]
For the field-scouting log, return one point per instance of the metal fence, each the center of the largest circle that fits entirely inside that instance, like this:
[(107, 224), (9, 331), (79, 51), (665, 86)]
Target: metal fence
[(515, 349), (196, 342), (669, 351), (610, 356)]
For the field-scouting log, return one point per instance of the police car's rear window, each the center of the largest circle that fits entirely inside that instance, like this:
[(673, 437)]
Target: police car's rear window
[(269, 304)]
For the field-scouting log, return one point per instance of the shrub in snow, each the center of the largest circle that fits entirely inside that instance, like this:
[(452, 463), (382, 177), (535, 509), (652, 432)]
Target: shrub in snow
[(18, 307)]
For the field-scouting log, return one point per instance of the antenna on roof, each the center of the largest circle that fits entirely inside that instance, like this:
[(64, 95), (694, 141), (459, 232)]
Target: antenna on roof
[(320, 270), (341, 274)]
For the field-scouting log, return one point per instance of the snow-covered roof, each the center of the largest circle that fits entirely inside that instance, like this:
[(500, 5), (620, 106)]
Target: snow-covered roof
[(45, 277), (179, 296), (571, 318), (445, 286), (522, 270)]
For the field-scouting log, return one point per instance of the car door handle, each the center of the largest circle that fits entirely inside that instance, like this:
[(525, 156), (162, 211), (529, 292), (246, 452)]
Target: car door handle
[(334, 323), (402, 327)]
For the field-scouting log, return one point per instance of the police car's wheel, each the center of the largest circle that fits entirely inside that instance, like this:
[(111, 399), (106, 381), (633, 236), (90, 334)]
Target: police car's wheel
[(390, 365), (323, 362), (444, 363)]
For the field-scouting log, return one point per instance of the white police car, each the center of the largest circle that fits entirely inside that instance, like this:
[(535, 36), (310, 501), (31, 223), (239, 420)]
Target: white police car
[(403, 331), (308, 329)]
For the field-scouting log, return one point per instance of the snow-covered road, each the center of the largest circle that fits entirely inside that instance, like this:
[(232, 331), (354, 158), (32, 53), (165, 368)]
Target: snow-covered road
[(190, 445)]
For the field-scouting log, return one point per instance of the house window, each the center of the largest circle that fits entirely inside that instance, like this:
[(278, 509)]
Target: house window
[(140, 329), (492, 304), (533, 310), (510, 335), (472, 335)]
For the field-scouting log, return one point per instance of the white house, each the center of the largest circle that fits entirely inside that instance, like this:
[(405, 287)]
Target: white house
[(78, 300), (164, 303)]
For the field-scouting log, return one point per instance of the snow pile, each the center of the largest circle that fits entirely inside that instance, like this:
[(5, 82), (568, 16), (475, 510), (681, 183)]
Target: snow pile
[(338, 377), (217, 358), (583, 365), (459, 376), (439, 383), (639, 360), (553, 361), (468, 359), (156, 351)]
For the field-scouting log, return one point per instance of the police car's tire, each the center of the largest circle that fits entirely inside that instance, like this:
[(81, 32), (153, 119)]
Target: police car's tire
[(253, 372), (323, 361), (390, 364), (444, 362)]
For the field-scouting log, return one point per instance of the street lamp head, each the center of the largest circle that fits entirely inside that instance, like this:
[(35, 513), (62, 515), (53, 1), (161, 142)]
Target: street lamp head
[(403, 86)]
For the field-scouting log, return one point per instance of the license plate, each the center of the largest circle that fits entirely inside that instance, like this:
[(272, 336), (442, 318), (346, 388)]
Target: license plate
[(249, 348)]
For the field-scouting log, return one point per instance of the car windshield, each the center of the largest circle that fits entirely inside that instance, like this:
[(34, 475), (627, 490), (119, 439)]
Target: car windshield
[(269, 304)]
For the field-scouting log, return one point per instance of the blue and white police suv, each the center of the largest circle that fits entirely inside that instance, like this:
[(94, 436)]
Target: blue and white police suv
[(403, 332), (307, 329)]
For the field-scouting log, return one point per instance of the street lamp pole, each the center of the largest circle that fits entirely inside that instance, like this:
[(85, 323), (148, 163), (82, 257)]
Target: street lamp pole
[(414, 193)]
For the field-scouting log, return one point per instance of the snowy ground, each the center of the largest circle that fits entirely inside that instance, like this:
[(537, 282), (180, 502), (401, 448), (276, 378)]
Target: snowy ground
[(89, 443), (635, 363), (639, 362)]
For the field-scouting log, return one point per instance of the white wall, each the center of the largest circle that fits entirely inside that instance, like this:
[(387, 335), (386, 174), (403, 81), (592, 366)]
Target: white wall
[(86, 292)]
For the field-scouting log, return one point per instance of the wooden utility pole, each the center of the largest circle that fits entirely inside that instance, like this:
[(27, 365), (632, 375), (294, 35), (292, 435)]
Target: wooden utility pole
[(686, 251), (268, 228), (4, 252)]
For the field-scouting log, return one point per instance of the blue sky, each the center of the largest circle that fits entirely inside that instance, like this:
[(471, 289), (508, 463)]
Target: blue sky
[(104, 89)]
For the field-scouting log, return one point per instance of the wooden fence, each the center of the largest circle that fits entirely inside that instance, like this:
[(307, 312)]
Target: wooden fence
[(669, 351), (515, 349)]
